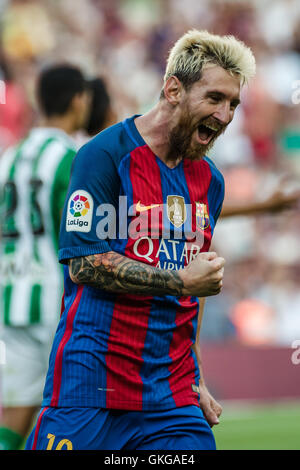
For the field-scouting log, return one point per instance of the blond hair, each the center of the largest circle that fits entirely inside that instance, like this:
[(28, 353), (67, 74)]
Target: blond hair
[(196, 49)]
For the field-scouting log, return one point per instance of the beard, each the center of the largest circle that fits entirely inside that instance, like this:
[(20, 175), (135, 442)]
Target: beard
[(180, 139)]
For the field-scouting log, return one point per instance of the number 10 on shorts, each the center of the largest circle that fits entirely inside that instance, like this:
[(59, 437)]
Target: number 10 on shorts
[(63, 444)]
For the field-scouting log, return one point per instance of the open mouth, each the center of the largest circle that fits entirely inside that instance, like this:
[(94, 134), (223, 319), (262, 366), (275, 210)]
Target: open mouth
[(206, 132)]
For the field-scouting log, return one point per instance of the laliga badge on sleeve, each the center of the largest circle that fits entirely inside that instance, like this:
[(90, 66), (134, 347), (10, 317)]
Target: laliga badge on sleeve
[(79, 212)]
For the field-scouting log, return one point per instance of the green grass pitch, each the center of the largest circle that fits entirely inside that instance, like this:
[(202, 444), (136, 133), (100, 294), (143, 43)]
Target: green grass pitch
[(259, 427)]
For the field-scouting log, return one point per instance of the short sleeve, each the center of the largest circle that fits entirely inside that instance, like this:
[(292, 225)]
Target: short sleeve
[(220, 199), (94, 181), (216, 193), (59, 190)]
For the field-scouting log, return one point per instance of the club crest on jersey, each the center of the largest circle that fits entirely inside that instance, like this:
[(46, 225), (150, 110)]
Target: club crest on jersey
[(79, 212), (202, 217), (176, 210)]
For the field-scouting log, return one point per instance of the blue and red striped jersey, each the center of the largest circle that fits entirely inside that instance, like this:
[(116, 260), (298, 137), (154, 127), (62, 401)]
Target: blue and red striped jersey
[(130, 351)]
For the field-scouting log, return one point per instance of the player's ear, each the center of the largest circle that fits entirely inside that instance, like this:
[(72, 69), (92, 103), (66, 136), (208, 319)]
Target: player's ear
[(173, 90)]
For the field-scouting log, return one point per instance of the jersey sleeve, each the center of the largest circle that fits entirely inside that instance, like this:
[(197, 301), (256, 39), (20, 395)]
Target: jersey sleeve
[(59, 190), (216, 193), (94, 182), (220, 199)]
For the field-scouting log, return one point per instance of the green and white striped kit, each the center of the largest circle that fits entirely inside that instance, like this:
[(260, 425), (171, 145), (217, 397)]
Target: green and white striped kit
[(34, 178)]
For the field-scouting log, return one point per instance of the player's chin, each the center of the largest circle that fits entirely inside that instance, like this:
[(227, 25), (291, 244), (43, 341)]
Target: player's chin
[(200, 150), (197, 151)]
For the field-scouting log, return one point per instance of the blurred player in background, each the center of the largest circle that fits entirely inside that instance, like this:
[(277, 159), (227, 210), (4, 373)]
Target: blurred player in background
[(102, 113), (34, 176), (125, 362)]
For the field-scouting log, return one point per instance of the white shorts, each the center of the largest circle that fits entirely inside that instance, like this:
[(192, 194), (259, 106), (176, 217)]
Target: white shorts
[(22, 376)]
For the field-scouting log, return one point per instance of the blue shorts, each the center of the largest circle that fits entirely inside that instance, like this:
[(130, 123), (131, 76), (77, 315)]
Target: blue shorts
[(101, 429)]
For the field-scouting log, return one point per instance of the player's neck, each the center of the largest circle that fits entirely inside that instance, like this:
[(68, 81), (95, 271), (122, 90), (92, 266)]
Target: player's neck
[(154, 127), (59, 122)]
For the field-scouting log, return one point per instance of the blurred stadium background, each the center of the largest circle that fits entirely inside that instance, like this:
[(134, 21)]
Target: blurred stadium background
[(249, 331)]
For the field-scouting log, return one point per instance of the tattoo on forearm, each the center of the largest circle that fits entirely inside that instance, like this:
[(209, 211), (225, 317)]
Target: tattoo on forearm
[(116, 273)]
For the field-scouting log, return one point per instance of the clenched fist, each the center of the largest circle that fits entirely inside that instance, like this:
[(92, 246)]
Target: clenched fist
[(203, 276)]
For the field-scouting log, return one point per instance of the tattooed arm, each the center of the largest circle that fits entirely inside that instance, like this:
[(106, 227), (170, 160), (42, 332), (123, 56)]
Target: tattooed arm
[(113, 272), (116, 273)]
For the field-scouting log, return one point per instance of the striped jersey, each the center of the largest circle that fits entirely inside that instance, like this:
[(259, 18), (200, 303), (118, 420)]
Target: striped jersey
[(34, 178), (130, 351)]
